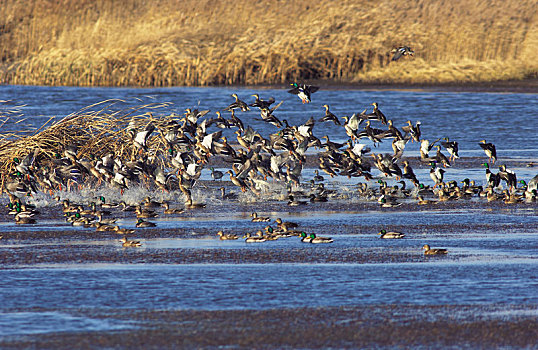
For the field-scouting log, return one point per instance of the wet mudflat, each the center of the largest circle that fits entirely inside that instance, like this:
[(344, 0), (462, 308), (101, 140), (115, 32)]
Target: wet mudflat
[(186, 288)]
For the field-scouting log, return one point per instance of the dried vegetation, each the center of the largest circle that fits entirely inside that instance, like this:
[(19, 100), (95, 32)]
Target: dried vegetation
[(191, 42)]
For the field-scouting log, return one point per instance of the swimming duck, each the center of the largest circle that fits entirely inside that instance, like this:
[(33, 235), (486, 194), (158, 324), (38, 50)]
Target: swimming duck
[(401, 51), (388, 202), (128, 243), (316, 239), (285, 225), (24, 219), (259, 238), (256, 218), (123, 231), (303, 91), (430, 251), (107, 221), (228, 236), (422, 201), (215, 174), (143, 223), (293, 202), (305, 238), (104, 204), (317, 176), (149, 203), (103, 227), (390, 235), (168, 210), (145, 213), (489, 149)]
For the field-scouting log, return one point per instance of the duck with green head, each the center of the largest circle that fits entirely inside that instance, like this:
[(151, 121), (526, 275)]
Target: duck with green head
[(391, 234)]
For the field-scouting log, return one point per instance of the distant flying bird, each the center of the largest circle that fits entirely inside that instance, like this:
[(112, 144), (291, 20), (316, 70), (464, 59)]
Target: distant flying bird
[(402, 51)]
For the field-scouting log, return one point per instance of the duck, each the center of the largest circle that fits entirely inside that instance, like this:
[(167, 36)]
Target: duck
[(168, 210), (107, 221), (489, 149), (256, 218), (436, 174), (143, 223), (401, 51), (317, 239), (430, 251), (285, 225), (451, 147), (303, 91), (237, 104), (122, 231), (149, 203), (225, 237), (145, 213), (128, 243), (422, 201), (388, 203), (216, 174), (329, 116), (103, 227), (317, 176), (293, 202), (305, 238), (24, 220), (390, 235), (259, 238), (106, 205)]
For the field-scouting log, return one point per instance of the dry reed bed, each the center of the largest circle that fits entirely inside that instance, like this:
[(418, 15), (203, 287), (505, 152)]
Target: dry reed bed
[(172, 42), (97, 130)]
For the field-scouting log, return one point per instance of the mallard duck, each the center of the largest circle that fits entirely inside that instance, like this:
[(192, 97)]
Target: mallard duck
[(489, 149), (256, 218), (255, 239), (329, 116), (123, 231), (401, 51), (316, 239), (143, 223), (285, 225), (128, 243), (293, 202), (24, 219), (104, 204), (436, 174), (145, 213), (451, 147), (493, 180), (390, 235), (303, 91), (317, 176), (149, 203), (168, 210), (305, 238), (508, 176), (189, 204), (103, 227), (237, 104), (228, 236), (422, 201), (437, 251), (216, 174), (388, 202)]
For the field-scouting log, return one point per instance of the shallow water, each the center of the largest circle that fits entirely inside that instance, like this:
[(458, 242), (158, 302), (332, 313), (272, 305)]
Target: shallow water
[(492, 251)]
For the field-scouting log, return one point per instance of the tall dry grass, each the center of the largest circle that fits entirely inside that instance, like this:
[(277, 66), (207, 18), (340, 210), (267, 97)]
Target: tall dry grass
[(191, 42)]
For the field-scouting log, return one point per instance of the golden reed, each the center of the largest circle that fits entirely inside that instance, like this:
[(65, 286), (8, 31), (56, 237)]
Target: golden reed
[(207, 42)]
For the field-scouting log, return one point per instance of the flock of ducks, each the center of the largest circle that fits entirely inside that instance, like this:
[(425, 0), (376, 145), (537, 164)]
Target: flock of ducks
[(256, 162)]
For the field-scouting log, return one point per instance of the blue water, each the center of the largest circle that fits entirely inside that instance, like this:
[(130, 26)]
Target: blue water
[(485, 266)]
